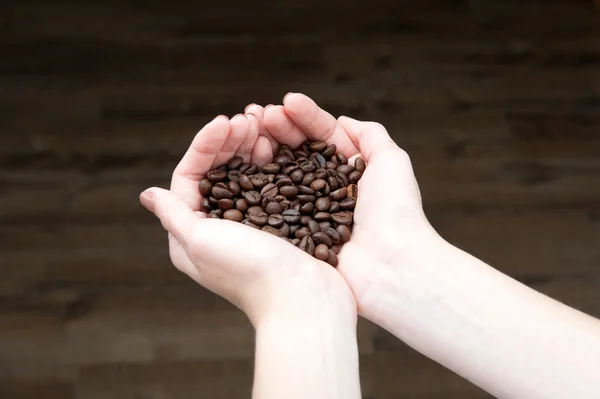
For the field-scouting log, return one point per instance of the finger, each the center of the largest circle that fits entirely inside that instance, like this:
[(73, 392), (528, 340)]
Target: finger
[(282, 128), (259, 112), (239, 128), (263, 151), (245, 149), (316, 123), (198, 160), (369, 137)]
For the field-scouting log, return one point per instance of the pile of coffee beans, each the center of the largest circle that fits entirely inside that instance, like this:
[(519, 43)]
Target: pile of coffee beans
[(306, 196)]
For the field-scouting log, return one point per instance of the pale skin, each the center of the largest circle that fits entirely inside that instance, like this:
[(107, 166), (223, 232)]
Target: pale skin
[(396, 271)]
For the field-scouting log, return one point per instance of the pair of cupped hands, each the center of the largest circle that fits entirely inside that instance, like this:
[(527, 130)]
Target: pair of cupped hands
[(259, 272)]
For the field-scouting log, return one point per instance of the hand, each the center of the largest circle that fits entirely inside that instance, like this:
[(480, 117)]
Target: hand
[(256, 271), (390, 228)]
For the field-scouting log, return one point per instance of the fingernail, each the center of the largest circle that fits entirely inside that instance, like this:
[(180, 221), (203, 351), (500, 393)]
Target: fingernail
[(222, 116), (236, 115), (286, 96), (248, 106), (147, 199), (267, 106)]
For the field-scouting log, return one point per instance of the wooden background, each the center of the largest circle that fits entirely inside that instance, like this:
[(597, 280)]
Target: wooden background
[(498, 103)]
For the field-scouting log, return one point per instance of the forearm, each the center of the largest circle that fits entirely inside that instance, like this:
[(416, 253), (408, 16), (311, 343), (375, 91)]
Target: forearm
[(307, 349), (492, 330)]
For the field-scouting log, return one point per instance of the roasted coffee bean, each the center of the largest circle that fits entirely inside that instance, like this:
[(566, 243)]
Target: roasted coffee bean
[(241, 205), (235, 162), (307, 208), (286, 150), (343, 217), (354, 177), (320, 160), (216, 175), (322, 216), (297, 176), (335, 249), (327, 190), (342, 159), (285, 230), (234, 187), (220, 193), (281, 176), (322, 252), (308, 178), (282, 159), (324, 225), (300, 154), (245, 183), (345, 169), (330, 165), (318, 184), (335, 207), (307, 245), (323, 204), (322, 238), (271, 230), (305, 219), (269, 191), (225, 204), (205, 186), (285, 204), (251, 170), (305, 190), (333, 234), (352, 191), (259, 219), (213, 201), (302, 232), (334, 159), (280, 198), (249, 223), (253, 197), (321, 173), (222, 185), (243, 167), (308, 166), (259, 180), (218, 212), (359, 164), (254, 209), (284, 181), (265, 201), (271, 178), (333, 259), (290, 167), (342, 179), (271, 168), (348, 204), (296, 207), (301, 160), (291, 216), (223, 168), (273, 207), (288, 191), (233, 215), (275, 221), (206, 206), (339, 194), (329, 151), (305, 198), (214, 215), (313, 226), (333, 182), (318, 146), (296, 241)]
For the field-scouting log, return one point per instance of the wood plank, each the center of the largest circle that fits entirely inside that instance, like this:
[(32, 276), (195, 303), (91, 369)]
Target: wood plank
[(16, 389)]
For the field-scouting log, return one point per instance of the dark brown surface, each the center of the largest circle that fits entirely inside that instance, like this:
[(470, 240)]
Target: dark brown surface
[(497, 102)]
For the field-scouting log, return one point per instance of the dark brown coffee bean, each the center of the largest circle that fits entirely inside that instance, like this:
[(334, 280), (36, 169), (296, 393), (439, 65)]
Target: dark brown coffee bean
[(305, 198), (348, 204), (318, 146), (324, 225), (253, 197), (234, 187), (322, 204), (305, 219), (320, 160), (302, 232), (220, 193), (290, 167), (286, 150), (269, 191), (352, 191), (244, 167), (305, 190), (332, 172), (271, 178), (322, 216), (306, 147), (343, 217), (214, 214), (342, 179), (335, 207), (280, 198), (284, 181), (241, 205), (345, 169), (326, 190), (322, 252), (342, 159), (265, 201), (288, 191), (283, 159), (213, 201), (308, 178), (334, 159), (330, 165), (308, 166), (223, 168), (222, 185), (307, 245), (334, 184), (359, 164), (313, 226), (329, 151), (301, 161), (297, 176), (216, 175), (225, 204), (218, 212), (233, 215), (296, 207), (335, 249), (250, 224), (251, 170), (273, 207), (280, 176), (275, 220), (296, 241), (259, 180), (321, 173), (293, 229), (235, 162), (332, 259), (254, 209), (333, 234), (322, 238), (259, 219), (294, 203), (245, 183), (285, 230), (298, 154), (291, 216), (206, 206), (285, 204), (205, 186), (271, 230), (339, 194), (354, 177), (318, 184), (271, 168), (307, 208)]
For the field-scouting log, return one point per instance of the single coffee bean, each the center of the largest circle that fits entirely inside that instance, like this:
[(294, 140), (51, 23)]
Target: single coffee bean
[(234, 187), (326, 190), (322, 238), (302, 232), (285, 204), (223, 168), (264, 202), (205, 186), (324, 225), (308, 166), (301, 160), (233, 215), (216, 175), (218, 212), (334, 184), (271, 178), (352, 191), (283, 159), (245, 183), (300, 154), (213, 201), (259, 219), (307, 208), (354, 177), (253, 197), (250, 224), (291, 216), (220, 193), (322, 252), (321, 173), (251, 170), (305, 198), (333, 235), (290, 167), (293, 229), (280, 175), (271, 230), (280, 198), (335, 207), (305, 190), (297, 176), (244, 167), (329, 151), (318, 146), (305, 219), (313, 226), (273, 207), (330, 165), (307, 245), (293, 203), (259, 180), (339, 194), (285, 230), (306, 147), (288, 191), (334, 159), (284, 181), (335, 249), (271, 168), (342, 179), (343, 217), (275, 221), (235, 162), (225, 204), (359, 164), (318, 184), (331, 172), (214, 215), (241, 205), (296, 207), (296, 241), (269, 191), (322, 216), (345, 169), (308, 178), (322, 204), (332, 259), (286, 150), (206, 206), (348, 204), (254, 209), (342, 159), (320, 160), (222, 185)]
